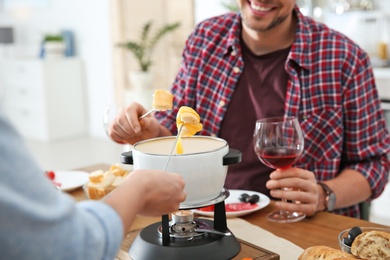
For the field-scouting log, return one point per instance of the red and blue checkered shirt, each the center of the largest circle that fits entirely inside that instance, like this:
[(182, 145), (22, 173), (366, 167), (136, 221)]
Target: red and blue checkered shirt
[(331, 90)]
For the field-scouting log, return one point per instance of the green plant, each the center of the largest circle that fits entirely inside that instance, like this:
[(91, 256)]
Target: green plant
[(53, 38), (143, 49)]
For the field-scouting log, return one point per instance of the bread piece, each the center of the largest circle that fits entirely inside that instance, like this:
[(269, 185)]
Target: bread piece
[(162, 100), (107, 181), (187, 115), (95, 191), (324, 253), (190, 119), (118, 180), (372, 245), (96, 176), (101, 183), (117, 170)]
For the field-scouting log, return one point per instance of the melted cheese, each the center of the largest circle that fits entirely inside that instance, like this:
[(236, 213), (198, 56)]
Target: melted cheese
[(190, 120)]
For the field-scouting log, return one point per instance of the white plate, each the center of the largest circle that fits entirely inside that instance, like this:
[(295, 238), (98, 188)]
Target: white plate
[(71, 180), (233, 198)]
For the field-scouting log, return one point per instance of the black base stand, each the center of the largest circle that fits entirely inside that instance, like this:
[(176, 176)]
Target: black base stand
[(151, 245)]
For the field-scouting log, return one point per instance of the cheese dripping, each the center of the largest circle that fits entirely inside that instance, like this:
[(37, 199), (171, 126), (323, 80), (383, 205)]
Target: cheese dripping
[(190, 120)]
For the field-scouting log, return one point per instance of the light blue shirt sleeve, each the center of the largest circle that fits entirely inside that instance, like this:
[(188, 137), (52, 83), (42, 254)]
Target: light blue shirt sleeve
[(39, 222)]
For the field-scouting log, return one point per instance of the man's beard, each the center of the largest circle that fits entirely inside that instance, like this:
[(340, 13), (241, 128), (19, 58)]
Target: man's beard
[(259, 28)]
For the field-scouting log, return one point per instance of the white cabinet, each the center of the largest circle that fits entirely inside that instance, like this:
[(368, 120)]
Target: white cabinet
[(44, 98), (382, 80)]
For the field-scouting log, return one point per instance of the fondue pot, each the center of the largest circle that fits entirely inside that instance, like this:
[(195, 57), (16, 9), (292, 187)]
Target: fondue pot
[(203, 164)]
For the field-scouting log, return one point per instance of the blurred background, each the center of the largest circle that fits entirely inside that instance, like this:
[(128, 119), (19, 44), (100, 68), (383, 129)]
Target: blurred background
[(61, 65)]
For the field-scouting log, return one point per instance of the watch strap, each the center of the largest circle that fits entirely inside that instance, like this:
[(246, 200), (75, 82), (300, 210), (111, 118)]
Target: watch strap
[(328, 194)]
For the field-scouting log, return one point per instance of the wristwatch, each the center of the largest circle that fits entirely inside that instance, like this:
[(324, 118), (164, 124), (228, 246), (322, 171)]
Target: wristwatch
[(330, 199)]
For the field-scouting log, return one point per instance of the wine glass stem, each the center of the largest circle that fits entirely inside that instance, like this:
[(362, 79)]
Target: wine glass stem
[(106, 119), (284, 212)]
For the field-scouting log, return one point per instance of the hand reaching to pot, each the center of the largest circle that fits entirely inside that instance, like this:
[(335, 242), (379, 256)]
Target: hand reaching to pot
[(127, 127), (148, 193)]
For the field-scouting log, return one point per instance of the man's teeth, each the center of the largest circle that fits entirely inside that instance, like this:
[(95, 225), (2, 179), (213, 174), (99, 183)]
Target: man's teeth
[(260, 8)]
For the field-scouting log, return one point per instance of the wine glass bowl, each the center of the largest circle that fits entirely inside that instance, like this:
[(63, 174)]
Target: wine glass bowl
[(278, 143)]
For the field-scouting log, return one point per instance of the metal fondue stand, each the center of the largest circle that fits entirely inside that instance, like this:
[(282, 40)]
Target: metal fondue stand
[(185, 237)]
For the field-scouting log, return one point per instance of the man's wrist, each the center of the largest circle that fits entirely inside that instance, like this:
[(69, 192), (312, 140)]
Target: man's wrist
[(321, 203), (330, 196)]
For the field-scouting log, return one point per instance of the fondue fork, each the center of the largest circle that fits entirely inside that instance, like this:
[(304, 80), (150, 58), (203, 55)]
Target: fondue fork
[(147, 113), (173, 148)]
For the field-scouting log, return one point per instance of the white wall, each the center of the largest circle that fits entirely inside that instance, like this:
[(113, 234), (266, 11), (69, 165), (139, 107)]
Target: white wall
[(208, 8), (89, 20)]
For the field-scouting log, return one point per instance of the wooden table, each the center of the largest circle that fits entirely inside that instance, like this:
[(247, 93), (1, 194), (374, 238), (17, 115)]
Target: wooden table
[(322, 229)]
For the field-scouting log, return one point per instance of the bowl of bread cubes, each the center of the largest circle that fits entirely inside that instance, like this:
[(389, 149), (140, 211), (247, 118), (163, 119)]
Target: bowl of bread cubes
[(103, 182), (366, 242)]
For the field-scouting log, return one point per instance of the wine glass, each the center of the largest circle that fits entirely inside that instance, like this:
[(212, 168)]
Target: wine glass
[(278, 143), (110, 112)]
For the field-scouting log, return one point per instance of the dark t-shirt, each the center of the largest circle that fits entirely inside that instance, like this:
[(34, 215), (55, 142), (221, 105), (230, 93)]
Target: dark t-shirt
[(260, 93)]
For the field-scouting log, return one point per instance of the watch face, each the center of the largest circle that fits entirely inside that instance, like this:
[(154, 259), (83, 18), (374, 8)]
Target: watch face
[(331, 199)]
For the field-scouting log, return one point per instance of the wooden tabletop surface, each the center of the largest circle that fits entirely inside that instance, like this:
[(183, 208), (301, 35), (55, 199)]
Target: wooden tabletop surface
[(322, 229)]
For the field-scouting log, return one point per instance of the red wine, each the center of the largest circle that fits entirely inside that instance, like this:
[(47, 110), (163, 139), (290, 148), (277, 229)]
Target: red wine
[(278, 158)]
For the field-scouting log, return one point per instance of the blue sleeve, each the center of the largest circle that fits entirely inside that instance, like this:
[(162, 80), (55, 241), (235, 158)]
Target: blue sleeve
[(39, 222)]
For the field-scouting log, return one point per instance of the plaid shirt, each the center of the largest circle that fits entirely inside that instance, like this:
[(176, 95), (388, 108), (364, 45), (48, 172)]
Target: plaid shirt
[(331, 90)]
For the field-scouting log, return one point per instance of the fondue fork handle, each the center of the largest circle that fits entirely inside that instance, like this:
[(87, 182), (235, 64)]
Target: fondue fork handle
[(147, 113), (173, 148)]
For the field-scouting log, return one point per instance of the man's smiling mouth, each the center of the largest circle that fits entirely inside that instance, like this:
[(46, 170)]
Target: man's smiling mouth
[(259, 8)]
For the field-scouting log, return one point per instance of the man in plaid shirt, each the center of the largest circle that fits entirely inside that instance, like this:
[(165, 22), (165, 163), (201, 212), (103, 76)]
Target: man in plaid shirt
[(270, 60)]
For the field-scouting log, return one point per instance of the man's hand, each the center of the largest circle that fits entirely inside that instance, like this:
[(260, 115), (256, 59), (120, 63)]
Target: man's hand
[(296, 185)]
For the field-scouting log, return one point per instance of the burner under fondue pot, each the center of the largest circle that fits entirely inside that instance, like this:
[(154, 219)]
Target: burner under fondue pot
[(185, 237), (183, 225)]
